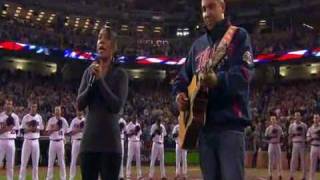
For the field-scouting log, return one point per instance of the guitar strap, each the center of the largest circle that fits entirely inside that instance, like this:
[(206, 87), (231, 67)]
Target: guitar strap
[(222, 47)]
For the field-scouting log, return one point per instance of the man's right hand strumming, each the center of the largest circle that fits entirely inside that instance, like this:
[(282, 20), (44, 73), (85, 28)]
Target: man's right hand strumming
[(182, 101)]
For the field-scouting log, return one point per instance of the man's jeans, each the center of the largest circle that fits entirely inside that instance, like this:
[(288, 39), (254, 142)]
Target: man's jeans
[(222, 155)]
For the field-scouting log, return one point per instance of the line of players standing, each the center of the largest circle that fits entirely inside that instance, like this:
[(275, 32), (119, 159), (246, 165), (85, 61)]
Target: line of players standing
[(300, 136), (133, 131), (30, 127), (57, 128)]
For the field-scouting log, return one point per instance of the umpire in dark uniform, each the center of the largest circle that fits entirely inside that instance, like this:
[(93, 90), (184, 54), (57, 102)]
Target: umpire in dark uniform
[(221, 140)]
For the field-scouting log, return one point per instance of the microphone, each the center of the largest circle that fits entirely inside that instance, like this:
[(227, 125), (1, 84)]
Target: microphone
[(91, 80), (93, 77)]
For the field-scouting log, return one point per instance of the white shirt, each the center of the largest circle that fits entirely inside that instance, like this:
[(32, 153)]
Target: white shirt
[(131, 128), (75, 123), (293, 129), (313, 133), (176, 131), (158, 138), (9, 134), (57, 135), (121, 120), (275, 131), (24, 123)]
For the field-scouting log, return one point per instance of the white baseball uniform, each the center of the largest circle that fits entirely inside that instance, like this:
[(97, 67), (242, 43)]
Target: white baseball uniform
[(30, 146), (121, 120), (157, 151), (313, 135), (298, 146), (134, 146), (7, 143), (274, 132), (56, 147), (76, 142), (181, 155)]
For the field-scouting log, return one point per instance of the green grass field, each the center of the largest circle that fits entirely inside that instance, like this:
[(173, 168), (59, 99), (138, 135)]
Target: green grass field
[(193, 172)]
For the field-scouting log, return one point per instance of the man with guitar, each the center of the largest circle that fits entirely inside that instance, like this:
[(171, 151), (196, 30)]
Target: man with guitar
[(218, 67)]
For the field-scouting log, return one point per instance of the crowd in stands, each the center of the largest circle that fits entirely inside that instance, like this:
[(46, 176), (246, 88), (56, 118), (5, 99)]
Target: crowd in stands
[(59, 36), (283, 40)]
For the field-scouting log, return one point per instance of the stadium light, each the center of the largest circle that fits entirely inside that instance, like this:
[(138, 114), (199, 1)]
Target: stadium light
[(283, 71), (313, 71), (20, 66), (263, 22), (124, 27)]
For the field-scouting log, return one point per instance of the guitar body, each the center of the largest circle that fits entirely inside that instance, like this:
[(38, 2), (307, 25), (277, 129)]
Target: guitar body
[(191, 120)]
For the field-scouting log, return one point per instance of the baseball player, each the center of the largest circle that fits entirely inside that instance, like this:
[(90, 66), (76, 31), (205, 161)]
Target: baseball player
[(122, 125), (133, 130), (76, 132), (9, 125), (57, 127), (158, 132), (313, 137), (181, 156), (297, 135), (273, 134), (31, 125)]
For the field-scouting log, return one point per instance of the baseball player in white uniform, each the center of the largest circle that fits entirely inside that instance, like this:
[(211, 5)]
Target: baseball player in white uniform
[(133, 130), (9, 125), (31, 125), (122, 125), (273, 134), (297, 135), (57, 127), (181, 155), (313, 137), (76, 132), (158, 132)]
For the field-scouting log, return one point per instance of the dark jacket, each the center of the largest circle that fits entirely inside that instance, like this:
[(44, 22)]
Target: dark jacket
[(104, 100), (228, 102)]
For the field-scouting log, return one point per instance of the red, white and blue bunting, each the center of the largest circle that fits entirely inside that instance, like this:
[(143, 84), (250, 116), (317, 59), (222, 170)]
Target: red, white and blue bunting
[(144, 60)]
